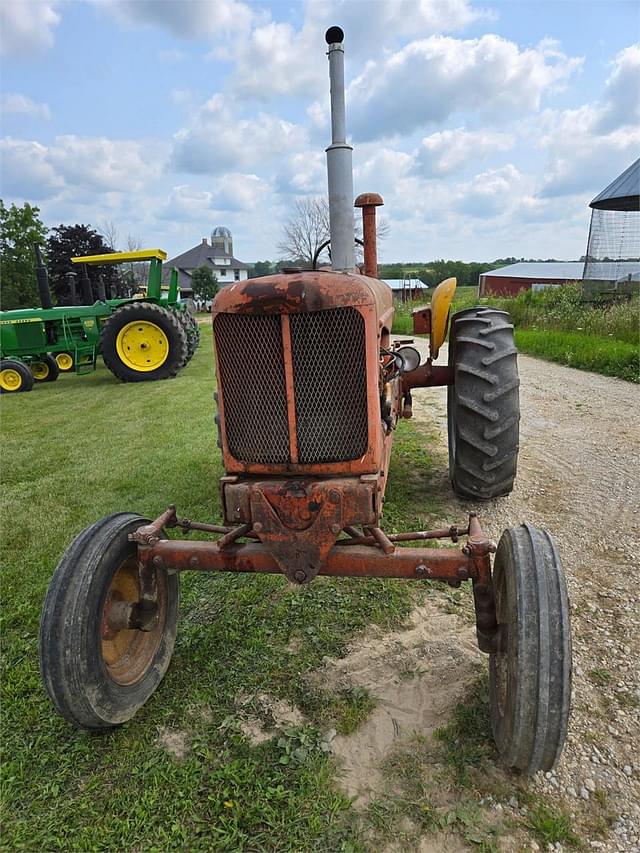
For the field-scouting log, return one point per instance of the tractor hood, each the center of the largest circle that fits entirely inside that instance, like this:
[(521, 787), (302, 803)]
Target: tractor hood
[(299, 292)]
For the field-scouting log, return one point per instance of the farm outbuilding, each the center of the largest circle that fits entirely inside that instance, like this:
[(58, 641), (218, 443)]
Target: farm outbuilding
[(612, 262), (510, 280)]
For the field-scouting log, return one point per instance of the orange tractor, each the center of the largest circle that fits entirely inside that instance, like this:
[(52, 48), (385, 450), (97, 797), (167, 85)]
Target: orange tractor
[(310, 389)]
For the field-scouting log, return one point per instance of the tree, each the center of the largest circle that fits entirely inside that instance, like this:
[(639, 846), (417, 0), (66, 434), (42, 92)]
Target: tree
[(68, 241), (262, 268), (308, 228), (204, 283), (305, 231), (20, 228)]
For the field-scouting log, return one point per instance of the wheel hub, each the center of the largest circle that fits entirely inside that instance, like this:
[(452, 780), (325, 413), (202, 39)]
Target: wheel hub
[(142, 346), (128, 651), (10, 379)]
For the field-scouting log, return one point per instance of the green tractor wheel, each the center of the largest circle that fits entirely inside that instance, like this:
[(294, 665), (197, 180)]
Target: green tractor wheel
[(192, 331), (45, 369), (14, 376), (143, 341)]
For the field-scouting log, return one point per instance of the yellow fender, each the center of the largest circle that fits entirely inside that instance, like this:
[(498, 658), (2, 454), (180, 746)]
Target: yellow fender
[(440, 304)]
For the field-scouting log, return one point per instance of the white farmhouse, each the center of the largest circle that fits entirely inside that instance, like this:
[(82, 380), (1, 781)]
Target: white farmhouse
[(217, 255)]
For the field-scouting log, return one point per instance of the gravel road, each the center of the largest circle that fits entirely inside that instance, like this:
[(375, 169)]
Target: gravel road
[(579, 476)]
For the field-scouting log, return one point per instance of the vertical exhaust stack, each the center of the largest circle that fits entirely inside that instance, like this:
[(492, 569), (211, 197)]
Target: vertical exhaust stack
[(339, 163), (43, 279)]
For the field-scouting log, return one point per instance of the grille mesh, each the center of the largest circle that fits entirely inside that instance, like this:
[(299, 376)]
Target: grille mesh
[(329, 370), (250, 359)]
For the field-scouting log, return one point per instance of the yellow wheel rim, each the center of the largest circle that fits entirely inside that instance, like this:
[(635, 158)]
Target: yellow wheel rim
[(10, 379), (64, 361), (142, 346), (40, 370)]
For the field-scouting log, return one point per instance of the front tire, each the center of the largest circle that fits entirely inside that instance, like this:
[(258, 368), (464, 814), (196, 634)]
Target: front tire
[(65, 362), (98, 678), (142, 342), (483, 404), (15, 376), (45, 369), (530, 672)]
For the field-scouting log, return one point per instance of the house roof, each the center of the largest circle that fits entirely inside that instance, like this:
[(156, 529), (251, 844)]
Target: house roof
[(623, 193), (203, 255), (561, 270)]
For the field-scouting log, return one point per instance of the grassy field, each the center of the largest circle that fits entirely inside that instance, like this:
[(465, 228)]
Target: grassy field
[(87, 446), (183, 775), (555, 324)]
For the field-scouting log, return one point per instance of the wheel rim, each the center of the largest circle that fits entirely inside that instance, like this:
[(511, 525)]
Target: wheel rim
[(40, 370), (64, 361), (128, 653), (10, 379), (142, 346)]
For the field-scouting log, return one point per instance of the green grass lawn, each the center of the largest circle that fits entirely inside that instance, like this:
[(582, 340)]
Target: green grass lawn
[(86, 446)]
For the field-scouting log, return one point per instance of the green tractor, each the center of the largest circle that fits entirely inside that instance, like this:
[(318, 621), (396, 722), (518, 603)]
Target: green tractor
[(146, 337)]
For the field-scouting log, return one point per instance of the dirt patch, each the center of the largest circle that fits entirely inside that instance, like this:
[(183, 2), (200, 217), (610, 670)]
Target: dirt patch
[(174, 741), (262, 714), (416, 676)]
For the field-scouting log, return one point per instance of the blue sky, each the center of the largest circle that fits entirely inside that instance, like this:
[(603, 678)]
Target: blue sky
[(487, 127)]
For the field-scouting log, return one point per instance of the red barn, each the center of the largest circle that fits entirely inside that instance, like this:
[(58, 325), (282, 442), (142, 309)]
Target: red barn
[(507, 281)]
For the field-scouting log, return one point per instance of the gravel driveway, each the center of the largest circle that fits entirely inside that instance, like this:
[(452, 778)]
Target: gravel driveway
[(579, 476)]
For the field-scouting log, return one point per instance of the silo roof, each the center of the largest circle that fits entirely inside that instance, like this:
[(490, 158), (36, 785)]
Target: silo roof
[(623, 193)]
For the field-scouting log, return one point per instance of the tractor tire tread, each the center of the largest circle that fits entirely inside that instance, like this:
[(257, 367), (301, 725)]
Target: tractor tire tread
[(483, 405)]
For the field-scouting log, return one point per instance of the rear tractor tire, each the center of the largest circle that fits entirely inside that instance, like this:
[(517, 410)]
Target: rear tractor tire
[(483, 405), (14, 376), (45, 369), (142, 341), (98, 676), (530, 671), (192, 331)]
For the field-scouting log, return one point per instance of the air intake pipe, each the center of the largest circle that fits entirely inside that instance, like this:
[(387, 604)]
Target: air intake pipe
[(43, 279), (339, 163)]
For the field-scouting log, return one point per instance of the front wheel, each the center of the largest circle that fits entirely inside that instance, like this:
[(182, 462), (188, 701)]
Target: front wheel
[(97, 674), (14, 376), (530, 671), (45, 369)]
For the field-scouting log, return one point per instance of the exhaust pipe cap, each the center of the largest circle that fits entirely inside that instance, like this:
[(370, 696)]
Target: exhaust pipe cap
[(334, 35)]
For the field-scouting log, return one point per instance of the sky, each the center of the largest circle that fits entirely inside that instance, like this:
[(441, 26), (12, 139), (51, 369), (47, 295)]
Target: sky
[(487, 127)]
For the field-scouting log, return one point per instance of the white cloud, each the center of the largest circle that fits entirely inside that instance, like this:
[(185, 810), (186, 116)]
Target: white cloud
[(26, 26), (431, 79), (21, 104), (621, 98), (219, 141), (195, 19), (589, 146), (98, 163), (448, 151), (276, 59), (89, 164), (27, 173), (493, 192)]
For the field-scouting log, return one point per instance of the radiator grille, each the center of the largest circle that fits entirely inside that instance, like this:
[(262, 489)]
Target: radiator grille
[(329, 377), (329, 380), (250, 360)]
